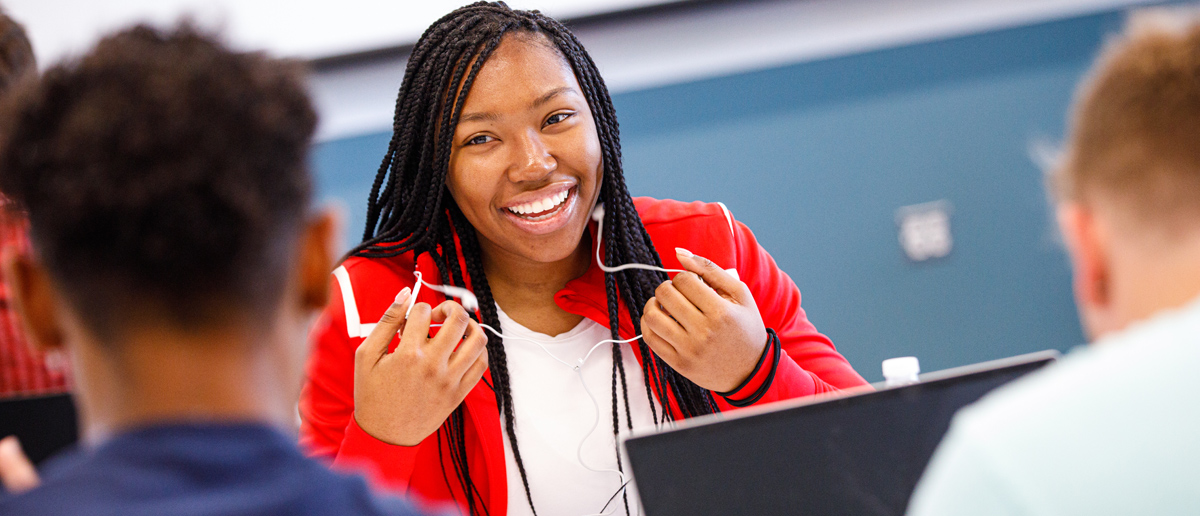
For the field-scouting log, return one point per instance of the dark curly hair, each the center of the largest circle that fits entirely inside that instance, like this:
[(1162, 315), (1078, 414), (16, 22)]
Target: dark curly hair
[(163, 174), (16, 54)]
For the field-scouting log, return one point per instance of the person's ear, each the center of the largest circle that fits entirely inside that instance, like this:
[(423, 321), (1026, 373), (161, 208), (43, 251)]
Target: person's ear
[(319, 245), (1088, 248), (34, 298)]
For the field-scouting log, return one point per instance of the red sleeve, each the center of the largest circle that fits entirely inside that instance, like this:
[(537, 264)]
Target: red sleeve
[(327, 427), (809, 363)]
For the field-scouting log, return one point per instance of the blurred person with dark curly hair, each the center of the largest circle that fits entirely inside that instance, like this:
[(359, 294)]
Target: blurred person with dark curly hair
[(35, 401), (23, 371), (178, 260)]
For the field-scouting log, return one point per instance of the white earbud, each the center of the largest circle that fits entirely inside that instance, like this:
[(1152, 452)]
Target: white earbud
[(468, 299), (598, 213), (412, 298)]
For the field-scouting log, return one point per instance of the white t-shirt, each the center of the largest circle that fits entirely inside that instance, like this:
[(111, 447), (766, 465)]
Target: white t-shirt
[(554, 414), (1111, 429)]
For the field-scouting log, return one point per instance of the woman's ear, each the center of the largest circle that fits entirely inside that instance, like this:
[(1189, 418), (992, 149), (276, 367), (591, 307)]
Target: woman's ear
[(1091, 264), (35, 299), (319, 245)]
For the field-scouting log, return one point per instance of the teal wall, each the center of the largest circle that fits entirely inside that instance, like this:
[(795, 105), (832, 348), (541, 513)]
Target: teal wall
[(816, 157)]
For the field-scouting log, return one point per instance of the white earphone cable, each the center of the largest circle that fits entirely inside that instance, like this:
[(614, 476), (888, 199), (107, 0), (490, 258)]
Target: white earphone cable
[(470, 302)]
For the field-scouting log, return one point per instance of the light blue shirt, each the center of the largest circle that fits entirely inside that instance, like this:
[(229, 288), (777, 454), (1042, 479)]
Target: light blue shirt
[(1111, 429)]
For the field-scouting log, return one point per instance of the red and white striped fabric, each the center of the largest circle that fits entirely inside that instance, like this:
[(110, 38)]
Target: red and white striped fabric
[(23, 371)]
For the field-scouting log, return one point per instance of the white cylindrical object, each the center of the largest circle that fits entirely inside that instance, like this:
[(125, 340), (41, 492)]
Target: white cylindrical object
[(900, 371)]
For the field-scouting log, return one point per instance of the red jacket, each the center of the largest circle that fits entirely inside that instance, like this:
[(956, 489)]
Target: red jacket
[(24, 371), (364, 288)]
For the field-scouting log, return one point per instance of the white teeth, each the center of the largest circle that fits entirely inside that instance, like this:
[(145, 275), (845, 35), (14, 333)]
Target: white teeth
[(541, 205)]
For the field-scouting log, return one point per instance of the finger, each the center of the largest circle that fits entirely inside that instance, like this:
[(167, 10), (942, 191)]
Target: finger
[(663, 325), (713, 275), (698, 292), (677, 305), (391, 323), (474, 344), (473, 374), (16, 472), (660, 345), (454, 321), (416, 329)]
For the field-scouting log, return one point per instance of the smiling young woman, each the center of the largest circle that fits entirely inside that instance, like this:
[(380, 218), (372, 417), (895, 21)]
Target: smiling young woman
[(505, 146)]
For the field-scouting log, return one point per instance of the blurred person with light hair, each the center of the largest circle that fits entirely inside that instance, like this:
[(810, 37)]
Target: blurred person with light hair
[(1113, 428)]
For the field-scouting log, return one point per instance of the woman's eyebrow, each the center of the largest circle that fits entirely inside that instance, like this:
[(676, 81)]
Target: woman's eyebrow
[(492, 117), (551, 94), (478, 117)]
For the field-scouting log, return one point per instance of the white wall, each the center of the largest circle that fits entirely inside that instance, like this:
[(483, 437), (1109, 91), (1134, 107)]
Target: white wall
[(300, 28), (713, 40), (679, 44)]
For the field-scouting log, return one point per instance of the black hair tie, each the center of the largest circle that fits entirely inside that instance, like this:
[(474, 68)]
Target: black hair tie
[(773, 346)]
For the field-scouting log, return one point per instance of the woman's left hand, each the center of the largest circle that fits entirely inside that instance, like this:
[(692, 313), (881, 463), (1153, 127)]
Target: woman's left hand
[(705, 324)]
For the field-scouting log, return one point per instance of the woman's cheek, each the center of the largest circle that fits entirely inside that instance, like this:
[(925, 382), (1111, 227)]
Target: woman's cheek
[(468, 189)]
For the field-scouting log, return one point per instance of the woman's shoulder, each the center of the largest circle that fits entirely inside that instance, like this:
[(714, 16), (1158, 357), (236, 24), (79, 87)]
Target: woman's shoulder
[(658, 212), (365, 287), (379, 268), (702, 227), (361, 274)]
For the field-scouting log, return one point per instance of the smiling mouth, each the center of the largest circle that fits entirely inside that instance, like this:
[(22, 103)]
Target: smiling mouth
[(542, 209)]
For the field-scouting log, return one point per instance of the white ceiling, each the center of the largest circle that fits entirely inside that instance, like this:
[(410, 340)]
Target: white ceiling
[(298, 28)]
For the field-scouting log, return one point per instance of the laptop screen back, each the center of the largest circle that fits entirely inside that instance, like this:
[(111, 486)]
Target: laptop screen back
[(854, 455), (44, 424)]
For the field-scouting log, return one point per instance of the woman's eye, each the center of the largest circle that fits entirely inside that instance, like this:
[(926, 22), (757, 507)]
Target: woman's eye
[(557, 117), (481, 139)]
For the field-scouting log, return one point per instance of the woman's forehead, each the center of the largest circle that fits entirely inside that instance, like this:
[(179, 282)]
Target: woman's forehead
[(522, 69)]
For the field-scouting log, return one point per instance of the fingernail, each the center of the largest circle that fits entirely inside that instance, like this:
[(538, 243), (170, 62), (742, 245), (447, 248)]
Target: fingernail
[(683, 252), (403, 295)]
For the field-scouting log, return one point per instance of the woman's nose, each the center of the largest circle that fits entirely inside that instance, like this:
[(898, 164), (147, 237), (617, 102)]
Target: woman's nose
[(533, 160)]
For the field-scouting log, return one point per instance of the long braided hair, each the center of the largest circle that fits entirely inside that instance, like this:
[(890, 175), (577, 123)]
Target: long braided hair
[(408, 212)]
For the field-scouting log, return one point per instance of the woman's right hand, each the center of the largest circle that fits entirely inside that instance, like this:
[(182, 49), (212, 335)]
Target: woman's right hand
[(402, 397)]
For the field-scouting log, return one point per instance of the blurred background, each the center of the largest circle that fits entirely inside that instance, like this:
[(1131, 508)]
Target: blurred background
[(885, 152)]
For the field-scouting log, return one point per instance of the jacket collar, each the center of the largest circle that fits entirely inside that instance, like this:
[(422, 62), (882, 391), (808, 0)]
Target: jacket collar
[(587, 295)]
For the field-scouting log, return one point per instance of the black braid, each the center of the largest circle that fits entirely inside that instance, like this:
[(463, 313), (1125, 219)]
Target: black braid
[(497, 359), (610, 286), (407, 213)]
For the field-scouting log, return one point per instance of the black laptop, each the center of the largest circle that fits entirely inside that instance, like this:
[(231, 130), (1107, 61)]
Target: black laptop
[(859, 454), (44, 424)]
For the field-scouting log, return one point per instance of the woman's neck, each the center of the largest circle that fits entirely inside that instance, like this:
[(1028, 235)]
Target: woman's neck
[(525, 289)]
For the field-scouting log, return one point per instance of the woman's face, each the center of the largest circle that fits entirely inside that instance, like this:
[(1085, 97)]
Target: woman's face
[(525, 165)]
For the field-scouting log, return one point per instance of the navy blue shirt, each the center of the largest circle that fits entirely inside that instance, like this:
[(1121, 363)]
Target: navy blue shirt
[(193, 470)]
